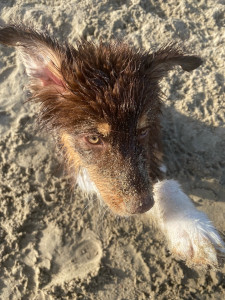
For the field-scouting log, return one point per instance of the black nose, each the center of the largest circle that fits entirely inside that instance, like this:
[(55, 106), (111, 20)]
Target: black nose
[(139, 206)]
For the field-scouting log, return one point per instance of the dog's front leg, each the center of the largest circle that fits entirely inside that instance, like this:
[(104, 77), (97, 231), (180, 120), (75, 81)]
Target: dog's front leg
[(190, 233)]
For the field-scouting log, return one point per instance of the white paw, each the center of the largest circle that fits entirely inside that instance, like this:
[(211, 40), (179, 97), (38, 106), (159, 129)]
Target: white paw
[(195, 240), (191, 235)]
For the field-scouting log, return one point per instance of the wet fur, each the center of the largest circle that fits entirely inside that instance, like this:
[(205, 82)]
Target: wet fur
[(110, 91)]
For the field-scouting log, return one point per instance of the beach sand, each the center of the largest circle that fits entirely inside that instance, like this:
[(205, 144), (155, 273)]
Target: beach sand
[(57, 244)]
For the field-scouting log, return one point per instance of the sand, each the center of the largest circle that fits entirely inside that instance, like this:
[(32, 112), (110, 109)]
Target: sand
[(57, 244)]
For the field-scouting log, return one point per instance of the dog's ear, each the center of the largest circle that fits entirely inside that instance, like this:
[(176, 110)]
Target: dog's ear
[(163, 60), (41, 55)]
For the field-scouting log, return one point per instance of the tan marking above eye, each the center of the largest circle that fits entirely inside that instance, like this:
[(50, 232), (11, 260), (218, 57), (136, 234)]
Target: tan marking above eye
[(104, 128), (142, 122)]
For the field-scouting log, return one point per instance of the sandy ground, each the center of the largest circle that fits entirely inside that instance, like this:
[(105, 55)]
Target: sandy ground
[(55, 244)]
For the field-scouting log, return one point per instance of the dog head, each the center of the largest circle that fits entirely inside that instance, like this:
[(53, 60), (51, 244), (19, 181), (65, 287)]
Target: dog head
[(103, 101)]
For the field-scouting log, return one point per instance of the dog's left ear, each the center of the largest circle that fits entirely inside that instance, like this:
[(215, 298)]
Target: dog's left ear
[(163, 60)]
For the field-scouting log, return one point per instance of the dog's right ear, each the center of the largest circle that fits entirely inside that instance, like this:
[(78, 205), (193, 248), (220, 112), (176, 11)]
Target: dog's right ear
[(48, 65), (41, 55)]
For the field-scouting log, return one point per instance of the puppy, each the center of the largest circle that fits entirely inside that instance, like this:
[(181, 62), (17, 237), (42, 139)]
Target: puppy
[(102, 102)]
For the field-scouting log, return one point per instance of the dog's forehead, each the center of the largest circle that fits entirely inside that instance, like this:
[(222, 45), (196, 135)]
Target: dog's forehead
[(113, 65), (110, 80)]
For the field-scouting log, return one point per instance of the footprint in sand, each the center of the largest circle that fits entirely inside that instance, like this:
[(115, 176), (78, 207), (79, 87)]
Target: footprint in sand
[(67, 261)]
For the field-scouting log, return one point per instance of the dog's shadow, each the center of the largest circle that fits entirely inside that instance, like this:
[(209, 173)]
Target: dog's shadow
[(194, 154)]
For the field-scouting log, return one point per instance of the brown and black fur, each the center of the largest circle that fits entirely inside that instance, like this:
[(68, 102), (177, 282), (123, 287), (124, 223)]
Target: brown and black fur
[(105, 90)]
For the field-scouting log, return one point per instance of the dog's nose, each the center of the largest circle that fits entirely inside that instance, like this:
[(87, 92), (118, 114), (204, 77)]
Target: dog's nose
[(139, 206)]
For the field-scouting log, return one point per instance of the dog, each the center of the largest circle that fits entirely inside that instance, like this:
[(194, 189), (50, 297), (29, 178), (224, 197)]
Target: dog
[(102, 102)]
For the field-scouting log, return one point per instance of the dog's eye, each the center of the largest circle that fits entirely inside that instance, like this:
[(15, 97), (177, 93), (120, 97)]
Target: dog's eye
[(93, 139), (143, 132)]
